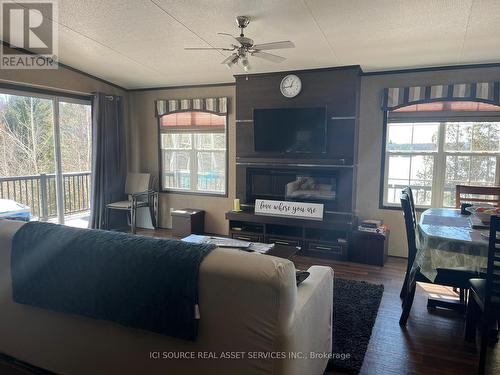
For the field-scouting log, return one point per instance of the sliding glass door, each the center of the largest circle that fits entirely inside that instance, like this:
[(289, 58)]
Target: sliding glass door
[(45, 154), (75, 135)]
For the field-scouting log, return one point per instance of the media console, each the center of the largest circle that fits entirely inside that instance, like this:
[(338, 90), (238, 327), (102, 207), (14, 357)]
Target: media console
[(327, 238)]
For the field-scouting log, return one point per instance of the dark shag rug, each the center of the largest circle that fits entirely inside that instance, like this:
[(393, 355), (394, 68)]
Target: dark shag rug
[(355, 307)]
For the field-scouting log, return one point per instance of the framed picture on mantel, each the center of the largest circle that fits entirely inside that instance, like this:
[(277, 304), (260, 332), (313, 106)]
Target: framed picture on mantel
[(302, 210)]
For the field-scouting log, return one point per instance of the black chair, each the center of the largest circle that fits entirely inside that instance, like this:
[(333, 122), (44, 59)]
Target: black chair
[(411, 202), (443, 273), (485, 296), (454, 277)]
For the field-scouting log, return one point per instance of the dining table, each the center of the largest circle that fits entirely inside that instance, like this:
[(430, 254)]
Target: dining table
[(446, 239)]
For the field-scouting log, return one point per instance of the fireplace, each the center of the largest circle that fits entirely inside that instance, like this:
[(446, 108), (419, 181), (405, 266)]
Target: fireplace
[(315, 186)]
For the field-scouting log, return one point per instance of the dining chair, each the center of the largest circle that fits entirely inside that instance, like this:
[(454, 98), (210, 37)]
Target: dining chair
[(411, 202), (480, 194), (485, 295), (140, 190), (457, 277), (408, 191)]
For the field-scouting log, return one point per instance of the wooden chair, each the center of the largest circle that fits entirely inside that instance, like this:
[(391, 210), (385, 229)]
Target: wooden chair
[(485, 295), (139, 188), (455, 277), (463, 192)]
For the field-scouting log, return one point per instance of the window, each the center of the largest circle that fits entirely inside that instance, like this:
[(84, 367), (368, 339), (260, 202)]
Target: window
[(435, 156), (193, 152), (45, 143)]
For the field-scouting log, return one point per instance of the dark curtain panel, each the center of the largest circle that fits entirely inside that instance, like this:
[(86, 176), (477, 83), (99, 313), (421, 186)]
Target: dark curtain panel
[(108, 156)]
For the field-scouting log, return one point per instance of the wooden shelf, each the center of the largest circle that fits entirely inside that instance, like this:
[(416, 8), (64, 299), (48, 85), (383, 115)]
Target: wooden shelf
[(252, 162), (331, 118), (344, 221), (343, 118)]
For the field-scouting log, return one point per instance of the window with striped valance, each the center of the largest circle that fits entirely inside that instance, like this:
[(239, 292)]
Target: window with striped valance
[(437, 137), (214, 105), (397, 97)]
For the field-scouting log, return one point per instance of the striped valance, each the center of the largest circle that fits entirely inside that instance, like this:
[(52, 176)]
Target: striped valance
[(214, 105), (396, 97)]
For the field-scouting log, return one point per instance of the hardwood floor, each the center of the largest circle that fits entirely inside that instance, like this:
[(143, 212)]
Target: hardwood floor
[(432, 342)]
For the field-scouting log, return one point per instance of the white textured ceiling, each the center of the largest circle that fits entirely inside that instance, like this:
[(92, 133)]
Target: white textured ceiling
[(139, 43)]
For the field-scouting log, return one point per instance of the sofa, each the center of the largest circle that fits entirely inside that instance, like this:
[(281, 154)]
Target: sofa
[(253, 320)]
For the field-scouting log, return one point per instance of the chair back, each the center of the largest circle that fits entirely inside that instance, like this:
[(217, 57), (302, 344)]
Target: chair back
[(410, 224), (407, 190), (493, 272), (480, 194), (137, 183)]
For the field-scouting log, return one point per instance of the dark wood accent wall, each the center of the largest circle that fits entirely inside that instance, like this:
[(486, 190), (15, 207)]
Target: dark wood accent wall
[(336, 88)]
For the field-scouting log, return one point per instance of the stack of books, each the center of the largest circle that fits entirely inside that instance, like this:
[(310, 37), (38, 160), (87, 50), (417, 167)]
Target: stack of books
[(372, 226)]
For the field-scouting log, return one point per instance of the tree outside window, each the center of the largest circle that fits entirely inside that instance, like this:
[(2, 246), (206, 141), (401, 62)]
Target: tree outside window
[(434, 157), (193, 152)]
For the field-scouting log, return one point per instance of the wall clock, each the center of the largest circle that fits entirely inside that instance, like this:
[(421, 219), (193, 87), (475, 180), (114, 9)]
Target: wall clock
[(290, 86)]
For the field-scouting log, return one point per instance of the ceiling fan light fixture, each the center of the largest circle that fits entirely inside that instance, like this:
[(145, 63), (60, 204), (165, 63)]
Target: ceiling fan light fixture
[(245, 64), (233, 61)]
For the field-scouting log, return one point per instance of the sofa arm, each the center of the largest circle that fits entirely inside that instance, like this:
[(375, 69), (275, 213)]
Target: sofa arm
[(311, 331)]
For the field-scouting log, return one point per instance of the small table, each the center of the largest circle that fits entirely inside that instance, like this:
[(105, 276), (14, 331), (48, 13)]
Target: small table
[(446, 239), (187, 221), (369, 248)]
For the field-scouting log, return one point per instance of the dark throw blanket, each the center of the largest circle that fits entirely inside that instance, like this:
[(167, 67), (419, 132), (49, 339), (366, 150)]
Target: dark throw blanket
[(141, 282)]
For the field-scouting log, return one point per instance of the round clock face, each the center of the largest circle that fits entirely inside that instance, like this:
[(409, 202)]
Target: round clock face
[(290, 86)]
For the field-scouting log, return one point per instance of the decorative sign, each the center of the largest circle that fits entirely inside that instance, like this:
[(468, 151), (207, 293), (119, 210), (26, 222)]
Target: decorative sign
[(301, 210)]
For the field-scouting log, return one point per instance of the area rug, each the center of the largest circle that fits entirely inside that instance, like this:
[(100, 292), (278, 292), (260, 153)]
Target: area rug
[(355, 309)]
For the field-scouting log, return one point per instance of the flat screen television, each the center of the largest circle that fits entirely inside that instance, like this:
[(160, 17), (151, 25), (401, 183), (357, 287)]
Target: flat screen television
[(290, 130)]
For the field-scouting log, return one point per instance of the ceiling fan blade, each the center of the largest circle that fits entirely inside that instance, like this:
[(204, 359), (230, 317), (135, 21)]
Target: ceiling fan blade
[(268, 56), (229, 60), (242, 40), (229, 35), (207, 48), (273, 45)]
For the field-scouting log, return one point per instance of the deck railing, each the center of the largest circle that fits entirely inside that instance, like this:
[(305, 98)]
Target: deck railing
[(207, 182), (39, 193), (421, 193)]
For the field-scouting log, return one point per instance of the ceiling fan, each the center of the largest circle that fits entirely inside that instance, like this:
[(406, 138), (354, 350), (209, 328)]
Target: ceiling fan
[(246, 47)]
